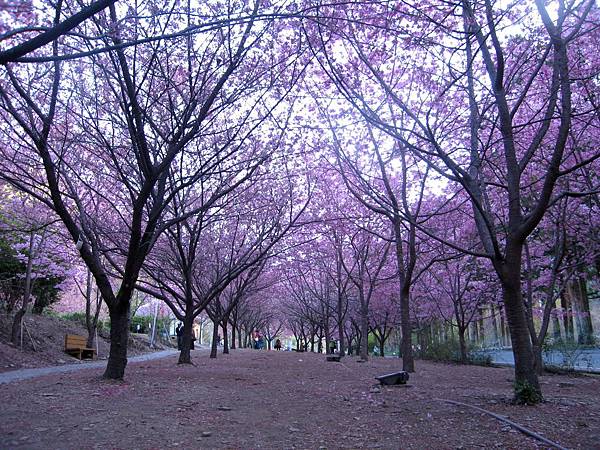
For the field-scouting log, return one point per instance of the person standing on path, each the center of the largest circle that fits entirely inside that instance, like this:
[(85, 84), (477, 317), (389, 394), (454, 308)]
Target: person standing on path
[(332, 346), (179, 333)]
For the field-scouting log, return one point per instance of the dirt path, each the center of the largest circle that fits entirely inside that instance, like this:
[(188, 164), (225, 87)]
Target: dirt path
[(284, 400), (24, 374)]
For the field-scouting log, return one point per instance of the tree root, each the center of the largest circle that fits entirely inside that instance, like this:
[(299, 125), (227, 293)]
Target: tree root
[(521, 428)]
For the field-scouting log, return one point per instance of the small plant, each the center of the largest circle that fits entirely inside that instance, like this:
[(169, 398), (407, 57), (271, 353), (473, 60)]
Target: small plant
[(50, 313), (526, 394), (74, 317), (568, 353), (480, 359)]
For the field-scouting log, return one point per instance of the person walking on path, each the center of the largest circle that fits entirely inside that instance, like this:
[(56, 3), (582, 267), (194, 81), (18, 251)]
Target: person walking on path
[(261, 342), (278, 344), (332, 346)]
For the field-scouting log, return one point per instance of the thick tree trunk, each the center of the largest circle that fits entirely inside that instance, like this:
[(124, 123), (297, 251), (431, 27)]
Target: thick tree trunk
[(381, 347), (525, 373), (215, 340), (408, 361), (16, 326), (119, 336), (581, 304), (186, 341), (239, 337)]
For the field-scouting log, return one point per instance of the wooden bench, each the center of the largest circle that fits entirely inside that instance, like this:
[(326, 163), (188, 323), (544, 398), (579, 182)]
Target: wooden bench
[(393, 378), (77, 346), (333, 358)]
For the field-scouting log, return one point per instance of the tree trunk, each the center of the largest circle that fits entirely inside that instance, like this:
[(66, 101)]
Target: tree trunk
[(495, 324), (215, 340), (538, 360), (581, 304), (473, 333), (233, 333), (225, 338), (340, 321), (567, 317), (91, 321), (503, 327), (556, 328), (481, 327), (239, 337), (364, 329), (186, 341), (119, 336), (421, 337), (408, 361), (349, 339), (16, 325), (525, 374), (463, 344)]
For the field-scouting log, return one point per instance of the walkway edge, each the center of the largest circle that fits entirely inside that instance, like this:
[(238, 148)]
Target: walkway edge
[(25, 374)]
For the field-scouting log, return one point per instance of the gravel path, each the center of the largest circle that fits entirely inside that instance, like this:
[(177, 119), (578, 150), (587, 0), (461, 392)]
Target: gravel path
[(25, 374)]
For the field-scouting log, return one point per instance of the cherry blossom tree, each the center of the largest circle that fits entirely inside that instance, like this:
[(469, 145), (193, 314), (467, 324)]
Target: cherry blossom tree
[(128, 131), (37, 246), (489, 109)]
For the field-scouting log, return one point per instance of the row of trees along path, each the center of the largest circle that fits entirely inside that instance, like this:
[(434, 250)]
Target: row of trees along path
[(334, 169)]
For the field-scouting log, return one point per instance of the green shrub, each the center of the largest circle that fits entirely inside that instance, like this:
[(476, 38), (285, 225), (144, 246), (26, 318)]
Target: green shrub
[(144, 322), (480, 359), (526, 394), (78, 317), (449, 351), (51, 313), (441, 351), (568, 353)]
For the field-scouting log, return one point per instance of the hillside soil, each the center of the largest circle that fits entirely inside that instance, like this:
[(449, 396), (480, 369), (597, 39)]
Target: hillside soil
[(285, 400), (44, 343)]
